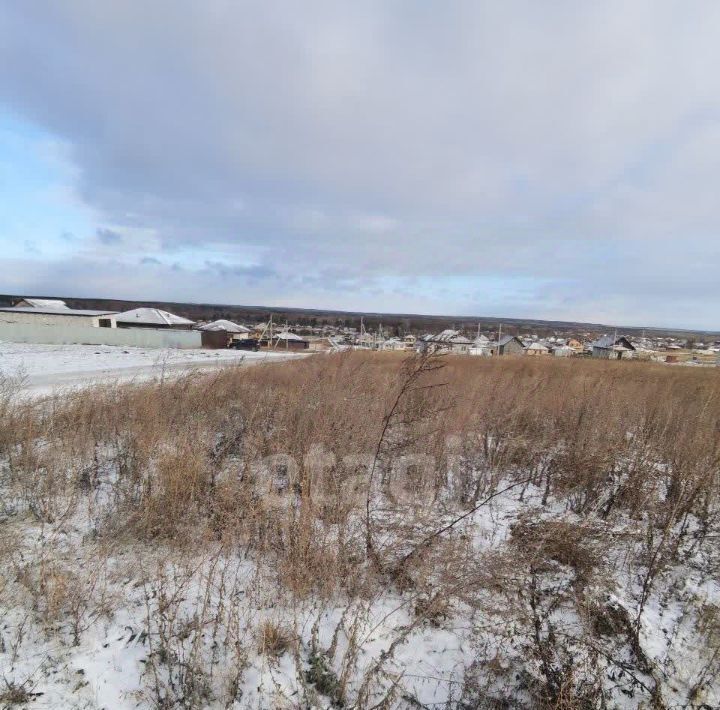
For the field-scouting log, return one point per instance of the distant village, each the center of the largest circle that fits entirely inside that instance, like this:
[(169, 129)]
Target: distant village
[(43, 320), (493, 343)]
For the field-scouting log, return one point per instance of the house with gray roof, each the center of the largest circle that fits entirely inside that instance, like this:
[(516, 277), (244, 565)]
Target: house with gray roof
[(508, 345), (447, 341), (609, 347)]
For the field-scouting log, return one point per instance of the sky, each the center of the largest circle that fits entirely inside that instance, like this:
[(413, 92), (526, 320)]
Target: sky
[(554, 160)]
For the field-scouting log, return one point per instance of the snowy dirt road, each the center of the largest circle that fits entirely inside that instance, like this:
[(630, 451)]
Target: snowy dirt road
[(45, 369)]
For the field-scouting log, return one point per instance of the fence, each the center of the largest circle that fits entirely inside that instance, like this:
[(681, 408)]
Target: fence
[(89, 335)]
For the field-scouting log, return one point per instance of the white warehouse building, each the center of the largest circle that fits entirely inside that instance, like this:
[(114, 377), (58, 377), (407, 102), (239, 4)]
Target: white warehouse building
[(51, 322), (54, 315)]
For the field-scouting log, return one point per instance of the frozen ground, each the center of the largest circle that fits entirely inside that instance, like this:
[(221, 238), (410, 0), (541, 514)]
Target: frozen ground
[(138, 569), (145, 628), (46, 368)]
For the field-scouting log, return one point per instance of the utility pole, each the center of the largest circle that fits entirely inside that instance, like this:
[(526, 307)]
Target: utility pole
[(268, 326), (614, 343)]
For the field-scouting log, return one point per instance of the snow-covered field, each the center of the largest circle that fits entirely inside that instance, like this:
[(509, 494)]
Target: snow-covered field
[(46, 368), (129, 627), (231, 546)]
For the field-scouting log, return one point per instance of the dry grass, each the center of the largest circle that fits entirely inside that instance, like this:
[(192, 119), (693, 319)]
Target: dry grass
[(343, 479), (193, 459), (273, 639)]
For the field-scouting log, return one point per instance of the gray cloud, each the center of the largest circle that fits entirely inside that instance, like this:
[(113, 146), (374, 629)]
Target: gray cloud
[(424, 148), (109, 237)]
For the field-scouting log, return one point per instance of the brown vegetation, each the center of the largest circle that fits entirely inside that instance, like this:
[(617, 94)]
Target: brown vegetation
[(351, 474)]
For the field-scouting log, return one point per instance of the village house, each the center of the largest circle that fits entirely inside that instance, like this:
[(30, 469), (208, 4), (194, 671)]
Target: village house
[(227, 326), (220, 333), (610, 348), (481, 346), (285, 340), (393, 344), (447, 341), (535, 349), (365, 340), (508, 345)]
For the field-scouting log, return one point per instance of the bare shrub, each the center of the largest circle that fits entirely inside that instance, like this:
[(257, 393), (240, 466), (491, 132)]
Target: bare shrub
[(579, 547), (273, 639), (17, 694)]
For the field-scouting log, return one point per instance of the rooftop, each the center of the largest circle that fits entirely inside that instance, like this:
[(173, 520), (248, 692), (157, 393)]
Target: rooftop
[(287, 335), (56, 311), (44, 302), (226, 325), (152, 316)]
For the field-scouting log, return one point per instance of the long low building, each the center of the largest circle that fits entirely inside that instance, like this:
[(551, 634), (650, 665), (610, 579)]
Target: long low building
[(47, 312), (52, 322), (54, 316)]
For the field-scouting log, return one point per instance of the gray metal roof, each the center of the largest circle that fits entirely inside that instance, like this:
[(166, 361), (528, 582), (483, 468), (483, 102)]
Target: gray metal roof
[(224, 325), (449, 336), (56, 311), (152, 316), (506, 339), (607, 342)]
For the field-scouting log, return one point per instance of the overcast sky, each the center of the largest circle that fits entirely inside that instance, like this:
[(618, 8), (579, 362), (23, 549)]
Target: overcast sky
[(542, 159)]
